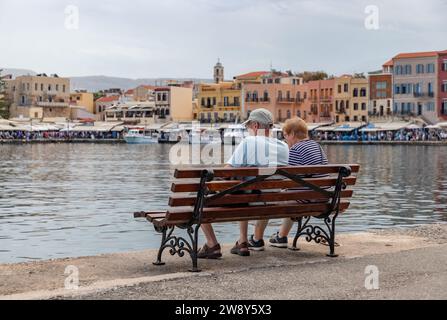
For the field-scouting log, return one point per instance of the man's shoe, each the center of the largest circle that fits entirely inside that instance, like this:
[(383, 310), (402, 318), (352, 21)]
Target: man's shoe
[(210, 253), (278, 242), (256, 245)]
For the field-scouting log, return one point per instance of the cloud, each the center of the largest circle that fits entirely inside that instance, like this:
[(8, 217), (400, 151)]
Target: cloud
[(183, 38)]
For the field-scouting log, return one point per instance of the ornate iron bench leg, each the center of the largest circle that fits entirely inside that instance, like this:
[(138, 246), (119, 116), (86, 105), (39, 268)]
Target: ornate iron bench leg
[(331, 221), (194, 234), (162, 245), (298, 235)]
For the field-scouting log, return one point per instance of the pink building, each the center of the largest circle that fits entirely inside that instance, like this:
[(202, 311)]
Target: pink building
[(321, 100), (442, 82), (284, 95)]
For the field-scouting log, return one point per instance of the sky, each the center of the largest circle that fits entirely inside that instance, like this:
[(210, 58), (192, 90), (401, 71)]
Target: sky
[(184, 38)]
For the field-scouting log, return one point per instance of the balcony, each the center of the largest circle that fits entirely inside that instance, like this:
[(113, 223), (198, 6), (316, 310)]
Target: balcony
[(53, 104), (326, 99), (423, 94), (286, 100)]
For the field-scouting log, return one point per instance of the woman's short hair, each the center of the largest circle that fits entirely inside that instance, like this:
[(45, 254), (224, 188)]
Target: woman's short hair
[(296, 127)]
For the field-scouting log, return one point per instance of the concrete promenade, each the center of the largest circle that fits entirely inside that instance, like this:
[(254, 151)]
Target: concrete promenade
[(412, 264)]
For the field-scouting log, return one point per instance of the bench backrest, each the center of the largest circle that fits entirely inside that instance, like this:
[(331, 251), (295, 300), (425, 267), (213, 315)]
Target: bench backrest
[(222, 194)]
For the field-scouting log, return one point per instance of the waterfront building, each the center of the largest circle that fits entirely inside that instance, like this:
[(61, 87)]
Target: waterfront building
[(133, 112), (321, 100), (38, 97), (418, 85), (143, 93), (442, 86), (351, 98), (83, 99), (381, 93), (219, 101), (174, 103), (104, 103), (282, 94)]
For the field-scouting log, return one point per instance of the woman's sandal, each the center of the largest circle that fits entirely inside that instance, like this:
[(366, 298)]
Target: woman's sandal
[(241, 249)]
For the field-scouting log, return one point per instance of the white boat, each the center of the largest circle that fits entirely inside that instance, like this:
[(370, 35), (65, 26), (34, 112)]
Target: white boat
[(204, 136), (173, 135), (141, 136), (234, 134)]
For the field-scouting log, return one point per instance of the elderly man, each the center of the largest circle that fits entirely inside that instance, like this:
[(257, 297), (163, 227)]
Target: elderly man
[(257, 150)]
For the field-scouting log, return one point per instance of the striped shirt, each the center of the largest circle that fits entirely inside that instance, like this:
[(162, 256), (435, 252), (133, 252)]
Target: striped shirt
[(307, 153)]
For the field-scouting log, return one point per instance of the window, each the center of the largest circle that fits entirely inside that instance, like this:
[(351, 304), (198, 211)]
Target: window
[(431, 68), (57, 87), (289, 114), (203, 102), (444, 65), (356, 92), (444, 108), (23, 100), (49, 87), (444, 87), (35, 87), (236, 101), (431, 106), (339, 88), (266, 95), (356, 106), (420, 68), (63, 88), (430, 88), (356, 118), (408, 69), (363, 106), (363, 92), (346, 87), (226, 102), (396, 89), (280, 95), (41, 87), (248, 96), (363, 118)]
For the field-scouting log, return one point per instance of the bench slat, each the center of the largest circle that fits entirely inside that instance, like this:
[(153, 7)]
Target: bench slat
[(250, 172), (228, 214), (264, 185), (178, 200)]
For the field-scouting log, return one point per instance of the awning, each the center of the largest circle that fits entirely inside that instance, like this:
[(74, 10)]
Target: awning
[(387, 126)]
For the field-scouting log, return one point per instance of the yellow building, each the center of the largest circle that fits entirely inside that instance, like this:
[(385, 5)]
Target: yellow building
[(351, 99), (218, 102), (83, 99)]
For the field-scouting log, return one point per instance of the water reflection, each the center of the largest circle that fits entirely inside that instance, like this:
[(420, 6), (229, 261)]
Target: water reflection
[(72, 199)]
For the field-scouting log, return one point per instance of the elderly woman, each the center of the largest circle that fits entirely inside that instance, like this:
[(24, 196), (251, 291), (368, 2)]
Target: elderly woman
[(303, 152)]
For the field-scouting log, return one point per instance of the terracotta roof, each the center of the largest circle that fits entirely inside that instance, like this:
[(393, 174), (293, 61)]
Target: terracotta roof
[(108, 99), (149, 87), (130, 91), (162, 88), (419, 54), (389, 63), (249, 75)]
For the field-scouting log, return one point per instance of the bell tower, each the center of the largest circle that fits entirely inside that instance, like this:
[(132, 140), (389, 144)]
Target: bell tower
[(218, 72)]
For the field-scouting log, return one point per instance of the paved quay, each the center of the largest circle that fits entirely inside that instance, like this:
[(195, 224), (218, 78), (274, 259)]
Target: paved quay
[(412, 264)]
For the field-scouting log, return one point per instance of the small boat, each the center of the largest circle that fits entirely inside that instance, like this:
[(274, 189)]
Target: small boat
[(172, 136), (204, 136), (141, 136)]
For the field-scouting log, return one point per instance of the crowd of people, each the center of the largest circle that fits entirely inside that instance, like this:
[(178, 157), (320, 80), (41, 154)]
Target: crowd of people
[(58, 135), (401, 135)]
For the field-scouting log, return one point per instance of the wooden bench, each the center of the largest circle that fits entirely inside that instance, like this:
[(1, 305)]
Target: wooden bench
[(215, 196)]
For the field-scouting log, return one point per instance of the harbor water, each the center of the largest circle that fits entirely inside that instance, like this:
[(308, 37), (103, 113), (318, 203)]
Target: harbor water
[(67, 200)]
